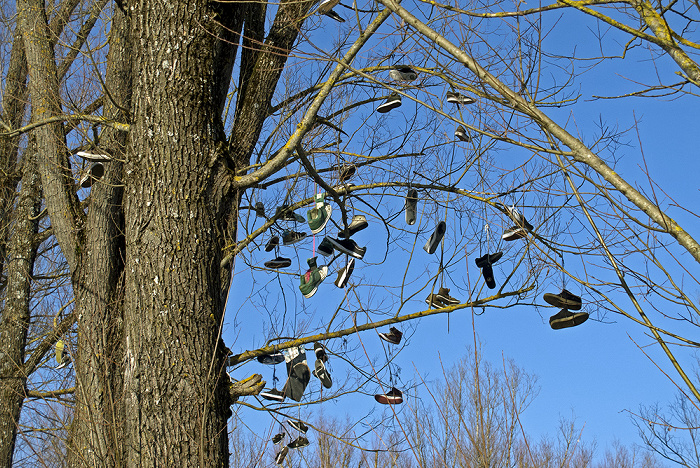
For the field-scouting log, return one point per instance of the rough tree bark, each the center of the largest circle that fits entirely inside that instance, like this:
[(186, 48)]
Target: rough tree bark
[(99, 412), (16, 313)]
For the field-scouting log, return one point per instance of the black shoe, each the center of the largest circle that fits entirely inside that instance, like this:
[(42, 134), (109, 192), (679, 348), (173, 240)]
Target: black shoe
[(358, 223), (299, 442), (271, 359), (564, 300), (344, 274), (325, 248), (272, 243), (392, 397), (462, 135), (393, 337), (320, 351), (392, 102), (96, 171), (434, 241), (279, 262), (514, 233), (277, 438), (273, 394), (349, 247), (298, 425), (335, 16), (567, 319), (280, 456), (322, 374), (292, 237), (444, 296), (260, 209), (488, 259), (289, 215), (487, 271), (434, 302)]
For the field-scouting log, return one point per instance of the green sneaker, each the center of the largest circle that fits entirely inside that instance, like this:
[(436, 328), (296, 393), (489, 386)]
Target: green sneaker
[(309, 281), (318, 217)]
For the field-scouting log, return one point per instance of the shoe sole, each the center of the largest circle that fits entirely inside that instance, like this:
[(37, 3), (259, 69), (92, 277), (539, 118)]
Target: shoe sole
[(323, 375), (344, 274), (386, 337), (568, 322), (557, 301), (514, 235), (435, 238), (388, 400), (270, 396), (387, 106), (352, 253)]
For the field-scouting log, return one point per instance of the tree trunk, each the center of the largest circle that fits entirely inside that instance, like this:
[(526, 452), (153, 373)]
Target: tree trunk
[(15, 317), (96, 436), (176, 401)]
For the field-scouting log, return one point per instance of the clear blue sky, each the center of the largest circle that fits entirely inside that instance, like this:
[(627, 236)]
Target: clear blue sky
[(594, 373)]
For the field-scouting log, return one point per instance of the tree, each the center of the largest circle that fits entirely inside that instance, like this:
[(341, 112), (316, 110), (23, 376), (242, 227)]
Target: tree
[(150, 249)]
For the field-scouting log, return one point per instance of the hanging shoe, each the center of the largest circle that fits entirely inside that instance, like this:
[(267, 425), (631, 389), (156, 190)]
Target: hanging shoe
[(403, 73), (392, 102), (332, 14), (299, 376), (563, 300), (444, 296), (279, 459), (566, 319), (277, 438), (322, 374), (62, 358), (272, 243), (392, 397), (292, 237), (514, 233), (434, 301), (96, 171), (348, 247), (308, 282), (462, 135), (434, 241), (94, 157), (393, 337), (271, 359), (411, 206), (344, 273), (288, 215), (320, 351), (299, 442), (358, 223), (298, 425), (345, 171), (457, 98), (325, 248), (273, 394), (327, 5), (487, 271), (318, 217), (279, 262), (259, 210), (488, 259)]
